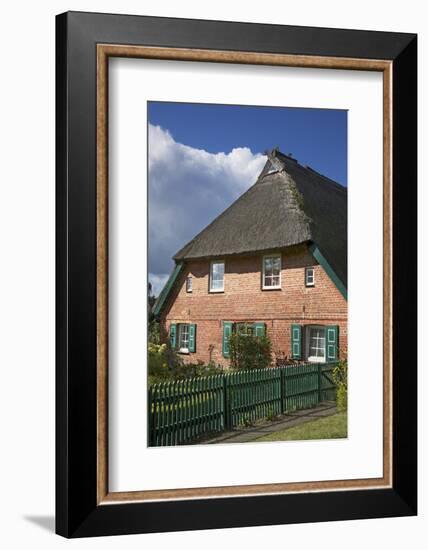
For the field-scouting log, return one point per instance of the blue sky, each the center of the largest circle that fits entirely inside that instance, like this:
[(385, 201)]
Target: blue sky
[(203, 157), (317, 137)]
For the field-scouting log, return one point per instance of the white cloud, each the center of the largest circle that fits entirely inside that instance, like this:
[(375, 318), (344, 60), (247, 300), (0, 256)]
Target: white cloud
[(188, 188), (158, 282)]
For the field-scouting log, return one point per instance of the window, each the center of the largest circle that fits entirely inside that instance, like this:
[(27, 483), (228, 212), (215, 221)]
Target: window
[(310, 276), (217, 276), (183, 338), (248, 329), (245, 329), (315, 338), (189, 283), (271, 272)]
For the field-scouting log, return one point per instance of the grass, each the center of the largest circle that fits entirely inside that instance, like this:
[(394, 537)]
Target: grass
[(330, 427)]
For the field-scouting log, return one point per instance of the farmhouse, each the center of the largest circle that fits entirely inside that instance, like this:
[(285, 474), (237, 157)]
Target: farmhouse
[(274, 262)]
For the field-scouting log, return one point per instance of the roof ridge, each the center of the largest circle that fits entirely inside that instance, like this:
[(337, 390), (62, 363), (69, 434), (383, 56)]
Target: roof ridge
[(297, 201), (306, 167)]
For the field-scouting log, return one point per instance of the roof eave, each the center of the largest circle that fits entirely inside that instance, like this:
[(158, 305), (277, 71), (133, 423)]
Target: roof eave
[(167, 289), (322, 260)]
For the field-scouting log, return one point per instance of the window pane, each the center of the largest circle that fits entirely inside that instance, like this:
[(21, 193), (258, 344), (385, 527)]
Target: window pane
[(317, 343), (218, 269), (272, 271), (189, 284), (184, 336), (217, 276), (276, 265)]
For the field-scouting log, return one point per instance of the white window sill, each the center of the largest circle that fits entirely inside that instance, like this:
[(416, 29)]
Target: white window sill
[(216, 291), (316, 359), (184, 351), (271, 288), (310, 284)]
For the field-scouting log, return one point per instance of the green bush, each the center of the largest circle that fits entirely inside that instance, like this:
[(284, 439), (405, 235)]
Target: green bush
[(164, 364), (182, 371), (154, 332), (248, 352), (340, 377), (159, 363)]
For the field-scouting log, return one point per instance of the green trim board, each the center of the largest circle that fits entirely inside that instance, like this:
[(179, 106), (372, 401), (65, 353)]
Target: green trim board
[(317, 254), (227, 331), (173, 335), (167, 289), (296, 341)]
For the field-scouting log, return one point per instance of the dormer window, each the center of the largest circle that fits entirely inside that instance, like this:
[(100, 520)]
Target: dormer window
[(271, 277), (217, 276), (310, 276)]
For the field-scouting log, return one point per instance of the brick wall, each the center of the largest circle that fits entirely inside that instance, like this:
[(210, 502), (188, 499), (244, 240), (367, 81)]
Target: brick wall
[(244, 300)]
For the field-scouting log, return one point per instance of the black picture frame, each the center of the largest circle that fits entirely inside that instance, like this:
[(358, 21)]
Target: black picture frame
[(77, 512)]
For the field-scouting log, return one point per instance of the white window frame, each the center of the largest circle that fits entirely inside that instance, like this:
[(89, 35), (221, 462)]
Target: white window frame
[(315, 359), (189, 287), (307, 269), (180, 328), (214, 290), (265, 257), (236, 328)]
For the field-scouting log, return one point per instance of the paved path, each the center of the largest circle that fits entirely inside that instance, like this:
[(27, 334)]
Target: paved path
[(244, 435)]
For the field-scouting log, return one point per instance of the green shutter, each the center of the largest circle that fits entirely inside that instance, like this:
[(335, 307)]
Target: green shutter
[(296, 341), (173, 335), (192, 338), (332, 333), (227, 331), (259, 329)]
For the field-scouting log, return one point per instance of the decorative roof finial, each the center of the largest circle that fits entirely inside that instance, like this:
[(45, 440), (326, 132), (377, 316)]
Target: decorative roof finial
[(275, 162)]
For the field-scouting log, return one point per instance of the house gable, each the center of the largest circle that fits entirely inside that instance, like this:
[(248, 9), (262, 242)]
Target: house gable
[(244, 295), (289, 204)]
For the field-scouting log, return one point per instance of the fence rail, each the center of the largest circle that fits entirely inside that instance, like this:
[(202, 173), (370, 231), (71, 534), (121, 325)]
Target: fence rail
[(183, 411)]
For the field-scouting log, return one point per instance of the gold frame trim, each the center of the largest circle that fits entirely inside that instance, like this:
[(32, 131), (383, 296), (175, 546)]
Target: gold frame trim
[(104, 51)]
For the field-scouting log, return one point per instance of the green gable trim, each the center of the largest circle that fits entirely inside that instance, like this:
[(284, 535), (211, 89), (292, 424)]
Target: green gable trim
[(317, 254), (160, 302)]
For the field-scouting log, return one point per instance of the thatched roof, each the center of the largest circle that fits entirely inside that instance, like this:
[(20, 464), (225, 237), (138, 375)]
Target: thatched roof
[(288, 205)]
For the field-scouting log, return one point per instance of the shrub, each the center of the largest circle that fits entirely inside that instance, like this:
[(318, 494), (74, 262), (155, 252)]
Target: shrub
[(165, 365), (182, 371), (158, 363), (340, 377), (248, 351), (154, 332)]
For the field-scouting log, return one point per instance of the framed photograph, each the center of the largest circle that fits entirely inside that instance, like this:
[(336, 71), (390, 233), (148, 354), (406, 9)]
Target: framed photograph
[(236, 274)]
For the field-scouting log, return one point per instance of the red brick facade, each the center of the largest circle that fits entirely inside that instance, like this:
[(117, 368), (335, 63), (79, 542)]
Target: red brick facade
[(244, 299)]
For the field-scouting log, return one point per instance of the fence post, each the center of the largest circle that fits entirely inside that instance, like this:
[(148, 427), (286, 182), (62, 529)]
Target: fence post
[(225, 401), (149, 417), (319, 383), (281, 389)]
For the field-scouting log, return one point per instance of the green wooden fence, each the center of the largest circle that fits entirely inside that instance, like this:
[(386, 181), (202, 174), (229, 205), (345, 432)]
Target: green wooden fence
[(183, 411)]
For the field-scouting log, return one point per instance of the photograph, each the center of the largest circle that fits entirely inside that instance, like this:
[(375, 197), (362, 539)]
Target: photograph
[(212, 266), (247, 273)]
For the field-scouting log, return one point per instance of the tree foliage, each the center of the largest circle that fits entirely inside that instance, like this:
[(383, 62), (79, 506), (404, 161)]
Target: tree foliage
[(248, 351), (340, 377)]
